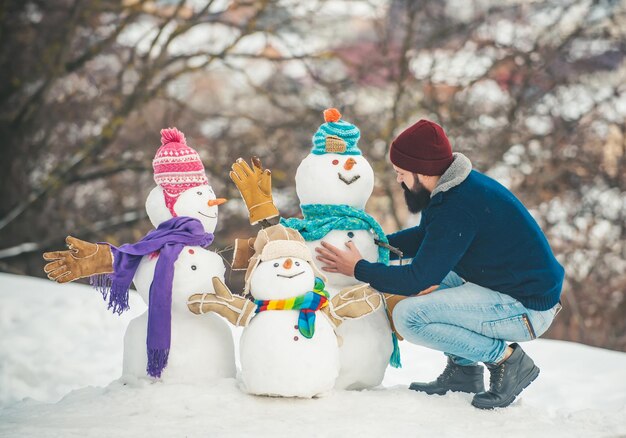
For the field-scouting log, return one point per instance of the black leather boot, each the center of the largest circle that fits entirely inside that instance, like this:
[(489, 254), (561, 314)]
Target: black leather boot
[(507, 380), (454, 378)]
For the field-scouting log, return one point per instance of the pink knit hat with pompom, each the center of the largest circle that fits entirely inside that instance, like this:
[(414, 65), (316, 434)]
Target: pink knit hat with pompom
[(177, 167)]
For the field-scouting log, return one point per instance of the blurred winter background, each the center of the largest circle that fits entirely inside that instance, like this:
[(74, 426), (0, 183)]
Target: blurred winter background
[(534, 92)]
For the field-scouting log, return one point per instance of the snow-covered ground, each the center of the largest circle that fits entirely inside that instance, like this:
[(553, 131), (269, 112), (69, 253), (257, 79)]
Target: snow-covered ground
[(60, 348)]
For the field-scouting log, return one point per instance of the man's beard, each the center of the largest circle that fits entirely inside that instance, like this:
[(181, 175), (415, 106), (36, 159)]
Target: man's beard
[(417, 199)]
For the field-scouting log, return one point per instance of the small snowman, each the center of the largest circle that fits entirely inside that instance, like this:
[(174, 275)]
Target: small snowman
[(288, 347), (333, 184), (168, 264)]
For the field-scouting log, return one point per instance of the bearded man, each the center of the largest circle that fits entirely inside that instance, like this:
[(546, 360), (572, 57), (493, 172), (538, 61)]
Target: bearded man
[(499, 281)]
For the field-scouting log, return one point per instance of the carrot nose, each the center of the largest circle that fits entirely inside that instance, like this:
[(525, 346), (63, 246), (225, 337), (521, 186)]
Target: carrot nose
[(350, 162), (287, 264), (218, 201)]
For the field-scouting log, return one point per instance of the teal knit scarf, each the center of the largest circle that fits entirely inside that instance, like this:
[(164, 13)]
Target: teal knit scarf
[(320, 219)]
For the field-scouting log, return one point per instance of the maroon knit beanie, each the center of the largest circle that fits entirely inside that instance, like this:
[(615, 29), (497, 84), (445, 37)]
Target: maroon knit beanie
[(422, 148)]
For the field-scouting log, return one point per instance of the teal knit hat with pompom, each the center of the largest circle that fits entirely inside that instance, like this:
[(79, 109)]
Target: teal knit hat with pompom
[(336, 136)]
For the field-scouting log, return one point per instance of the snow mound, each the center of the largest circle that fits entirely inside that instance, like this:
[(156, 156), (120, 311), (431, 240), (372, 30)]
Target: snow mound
[(57, 338)]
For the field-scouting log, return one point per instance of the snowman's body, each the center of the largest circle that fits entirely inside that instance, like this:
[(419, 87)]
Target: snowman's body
[(364, 241), (276, 359), (201, 349), (365, 352), (367, 342)]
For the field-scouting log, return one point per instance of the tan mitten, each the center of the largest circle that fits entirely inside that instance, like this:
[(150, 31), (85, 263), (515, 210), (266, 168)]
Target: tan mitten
[(236, 309), (243, 252), (352, 303), (83, 259), (255, 186), (391, 301)]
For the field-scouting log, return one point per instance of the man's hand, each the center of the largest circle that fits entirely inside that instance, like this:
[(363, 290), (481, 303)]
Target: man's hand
[(337, 260)]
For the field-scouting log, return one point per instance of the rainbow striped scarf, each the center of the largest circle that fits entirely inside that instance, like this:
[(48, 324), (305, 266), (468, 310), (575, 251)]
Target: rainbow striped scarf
[(307, 304)]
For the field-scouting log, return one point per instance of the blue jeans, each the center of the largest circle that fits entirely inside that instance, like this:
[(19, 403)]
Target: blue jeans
[(468, 322)]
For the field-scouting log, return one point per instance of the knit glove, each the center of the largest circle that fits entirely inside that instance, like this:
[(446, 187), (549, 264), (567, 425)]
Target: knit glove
[(391, 301), (236, 309), (83, 259), (255, 186), (352, 303)]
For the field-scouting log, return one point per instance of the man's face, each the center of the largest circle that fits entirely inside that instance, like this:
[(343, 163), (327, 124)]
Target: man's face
[(405, 177), (416, 195)]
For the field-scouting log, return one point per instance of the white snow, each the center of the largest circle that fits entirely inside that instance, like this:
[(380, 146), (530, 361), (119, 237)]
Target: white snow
[(197, 202), (487, 97), (276, 359), (336, 179), (200, 349), (55, 339), (275, 356), (453, 67), (362, 239)]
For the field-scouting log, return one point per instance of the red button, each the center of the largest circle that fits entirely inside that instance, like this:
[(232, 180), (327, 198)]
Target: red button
[(296, 327), (295, 338)]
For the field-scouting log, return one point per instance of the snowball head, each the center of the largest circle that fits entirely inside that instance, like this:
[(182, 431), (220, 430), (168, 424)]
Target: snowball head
[(335, 179), (281, 278), (192, 203)]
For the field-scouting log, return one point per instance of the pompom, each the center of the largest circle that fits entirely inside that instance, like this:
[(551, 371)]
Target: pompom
[(332, 115), (172, 135)]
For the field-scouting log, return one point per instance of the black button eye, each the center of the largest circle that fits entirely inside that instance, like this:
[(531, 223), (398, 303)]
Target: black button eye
[(194, 267), (199, 193), (276, 265), (297, 263), (350, 234)]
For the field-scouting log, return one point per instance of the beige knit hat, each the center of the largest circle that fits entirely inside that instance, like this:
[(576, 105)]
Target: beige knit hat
[(278, 241)]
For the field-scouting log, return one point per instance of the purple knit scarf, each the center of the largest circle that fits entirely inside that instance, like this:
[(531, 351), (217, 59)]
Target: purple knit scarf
[(169, 239)]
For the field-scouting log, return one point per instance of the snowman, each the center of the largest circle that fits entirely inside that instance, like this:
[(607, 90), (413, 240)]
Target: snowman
[(333, 184), (288, 346), (168, 264)]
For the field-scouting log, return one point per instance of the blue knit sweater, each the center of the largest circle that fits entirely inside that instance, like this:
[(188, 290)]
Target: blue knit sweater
[(480, 230)]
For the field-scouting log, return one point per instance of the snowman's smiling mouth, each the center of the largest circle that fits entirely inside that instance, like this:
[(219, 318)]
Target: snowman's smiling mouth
[(348, 181), (207, 215), (290, 276)]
